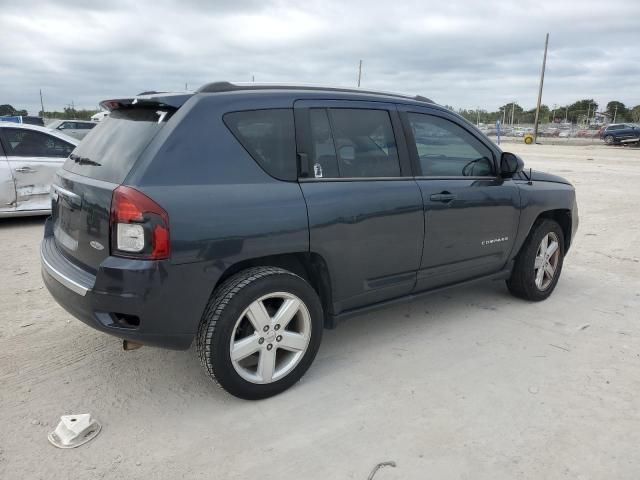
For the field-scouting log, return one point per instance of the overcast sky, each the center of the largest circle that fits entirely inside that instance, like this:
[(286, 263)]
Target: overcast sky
[(464, 53)]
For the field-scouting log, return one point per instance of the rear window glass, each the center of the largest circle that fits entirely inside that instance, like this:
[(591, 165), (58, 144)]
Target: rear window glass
[(29, 143), (109, 150), (269, 137)]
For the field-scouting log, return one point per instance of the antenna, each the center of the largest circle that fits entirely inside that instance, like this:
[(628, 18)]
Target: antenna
[(41, 103)]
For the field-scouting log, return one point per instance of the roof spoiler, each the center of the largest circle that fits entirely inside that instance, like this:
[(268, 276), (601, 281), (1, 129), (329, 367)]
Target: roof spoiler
[(148, 99)]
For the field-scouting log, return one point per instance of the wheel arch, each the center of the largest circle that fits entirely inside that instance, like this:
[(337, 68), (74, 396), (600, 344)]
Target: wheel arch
[(563, 217), (308, 265)]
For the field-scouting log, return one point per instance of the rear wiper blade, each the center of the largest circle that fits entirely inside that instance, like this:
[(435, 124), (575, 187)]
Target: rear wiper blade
[(84, 160)]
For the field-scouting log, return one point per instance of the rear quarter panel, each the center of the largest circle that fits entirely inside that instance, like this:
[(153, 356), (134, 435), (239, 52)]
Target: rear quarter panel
[(223, 208)]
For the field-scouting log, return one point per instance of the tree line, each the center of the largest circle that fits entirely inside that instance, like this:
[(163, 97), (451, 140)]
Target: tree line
[(580, 112), (68, 113)]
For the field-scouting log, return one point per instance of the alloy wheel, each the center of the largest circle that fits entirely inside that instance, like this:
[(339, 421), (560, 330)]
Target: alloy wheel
[(270, 338), (546, 261)]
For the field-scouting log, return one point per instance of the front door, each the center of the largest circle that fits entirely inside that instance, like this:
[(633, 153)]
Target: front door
[(7, 187), (33, 158), (364, 207), (471, 214)]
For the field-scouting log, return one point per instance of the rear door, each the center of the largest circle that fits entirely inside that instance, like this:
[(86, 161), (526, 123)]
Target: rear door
[(364, 208), (83, 189), (471, 214), (33, 158), (629, 133)]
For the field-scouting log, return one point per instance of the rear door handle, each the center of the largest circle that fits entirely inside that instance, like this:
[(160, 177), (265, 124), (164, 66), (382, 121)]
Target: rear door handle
[(25, 170), (443, 197)]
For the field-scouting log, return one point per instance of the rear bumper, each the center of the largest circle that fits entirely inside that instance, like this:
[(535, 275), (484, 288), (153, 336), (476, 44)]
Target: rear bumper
[(142, 301)]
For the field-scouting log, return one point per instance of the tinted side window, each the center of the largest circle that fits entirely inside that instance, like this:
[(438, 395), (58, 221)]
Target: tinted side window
[(323, 152), (28, 143), (269, 137), (360, 141), (448, 150)]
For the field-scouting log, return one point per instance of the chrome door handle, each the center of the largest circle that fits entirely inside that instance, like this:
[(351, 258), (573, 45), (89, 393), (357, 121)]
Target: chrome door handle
[(442, 197), (25, 170)]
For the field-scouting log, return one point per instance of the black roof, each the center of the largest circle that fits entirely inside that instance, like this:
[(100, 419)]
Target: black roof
[(218, 87)]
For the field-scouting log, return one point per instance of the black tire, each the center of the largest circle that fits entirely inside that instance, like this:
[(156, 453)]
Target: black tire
[(522, 281), (226, 305), (609, 140)]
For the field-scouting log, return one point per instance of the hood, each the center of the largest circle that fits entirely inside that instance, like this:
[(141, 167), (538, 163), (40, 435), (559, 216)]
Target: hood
[(543, 177)]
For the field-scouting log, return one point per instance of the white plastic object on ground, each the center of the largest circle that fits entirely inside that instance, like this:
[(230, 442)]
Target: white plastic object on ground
[(74, 430)]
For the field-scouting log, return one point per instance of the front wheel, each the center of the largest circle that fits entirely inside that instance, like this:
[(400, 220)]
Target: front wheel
[(539, 263), (608, 139), (260, 332)]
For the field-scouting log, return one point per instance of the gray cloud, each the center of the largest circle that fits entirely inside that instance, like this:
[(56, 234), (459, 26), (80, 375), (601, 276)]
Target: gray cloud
[(462, 53)]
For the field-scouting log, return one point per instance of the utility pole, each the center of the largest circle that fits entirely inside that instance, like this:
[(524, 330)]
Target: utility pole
[(504, 114), (186, 87), (513, 108), (544, 64), (253, 78), (615, 114), (566, 114), (41, 104), (588, 112), (478, 117), (359, 73)]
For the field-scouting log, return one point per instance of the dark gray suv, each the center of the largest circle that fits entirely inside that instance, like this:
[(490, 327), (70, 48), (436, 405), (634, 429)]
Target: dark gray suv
[(251, 217)]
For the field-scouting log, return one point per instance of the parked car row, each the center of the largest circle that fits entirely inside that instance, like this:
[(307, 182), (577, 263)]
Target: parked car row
[(614, 134)]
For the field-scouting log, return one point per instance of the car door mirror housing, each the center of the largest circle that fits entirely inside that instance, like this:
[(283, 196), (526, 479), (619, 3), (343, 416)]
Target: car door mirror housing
[(510, 164)]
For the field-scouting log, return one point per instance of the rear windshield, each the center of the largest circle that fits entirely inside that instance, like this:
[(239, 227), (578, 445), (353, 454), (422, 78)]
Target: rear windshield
[(109, 150)]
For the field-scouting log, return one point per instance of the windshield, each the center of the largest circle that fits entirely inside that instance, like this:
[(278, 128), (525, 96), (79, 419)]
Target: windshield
[(110, 150)]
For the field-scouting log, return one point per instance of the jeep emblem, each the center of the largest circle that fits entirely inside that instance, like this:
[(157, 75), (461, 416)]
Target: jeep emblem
[(96, 245)]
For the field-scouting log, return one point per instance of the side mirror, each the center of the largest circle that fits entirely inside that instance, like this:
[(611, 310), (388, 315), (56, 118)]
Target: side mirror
[(510, 164)]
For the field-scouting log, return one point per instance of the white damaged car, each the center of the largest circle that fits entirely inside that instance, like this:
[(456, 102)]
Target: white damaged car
[(29, 157)]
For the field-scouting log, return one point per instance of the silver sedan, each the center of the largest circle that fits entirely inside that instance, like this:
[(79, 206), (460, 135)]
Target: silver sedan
[(29, 157)]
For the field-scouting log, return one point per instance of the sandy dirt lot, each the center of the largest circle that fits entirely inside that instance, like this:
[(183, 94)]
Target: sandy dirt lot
[(466, 384)]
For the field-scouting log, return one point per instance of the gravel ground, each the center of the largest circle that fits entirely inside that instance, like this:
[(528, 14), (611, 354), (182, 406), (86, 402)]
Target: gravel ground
[(466, 384)]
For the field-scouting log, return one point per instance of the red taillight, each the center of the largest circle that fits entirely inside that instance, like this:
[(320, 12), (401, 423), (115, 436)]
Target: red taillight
[(139, 226)]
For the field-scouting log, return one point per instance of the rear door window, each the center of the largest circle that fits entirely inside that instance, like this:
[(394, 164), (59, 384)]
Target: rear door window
[(110, 150), (29, 143), (353, 143), (269, 137)]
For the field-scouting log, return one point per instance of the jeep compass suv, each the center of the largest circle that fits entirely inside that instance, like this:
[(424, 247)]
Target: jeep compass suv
[(251, 217)]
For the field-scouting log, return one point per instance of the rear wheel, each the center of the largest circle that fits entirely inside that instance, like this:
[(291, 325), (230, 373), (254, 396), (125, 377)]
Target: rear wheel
[(539, 263), (260, 332)]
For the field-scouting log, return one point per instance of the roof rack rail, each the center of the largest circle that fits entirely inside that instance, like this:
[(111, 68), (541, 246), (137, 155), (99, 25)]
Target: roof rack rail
[(216, 87)]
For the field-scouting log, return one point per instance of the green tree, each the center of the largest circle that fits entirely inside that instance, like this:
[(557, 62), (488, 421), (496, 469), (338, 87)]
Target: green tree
[(7, 110), (579, 110), (634, 113), (618, 110)]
